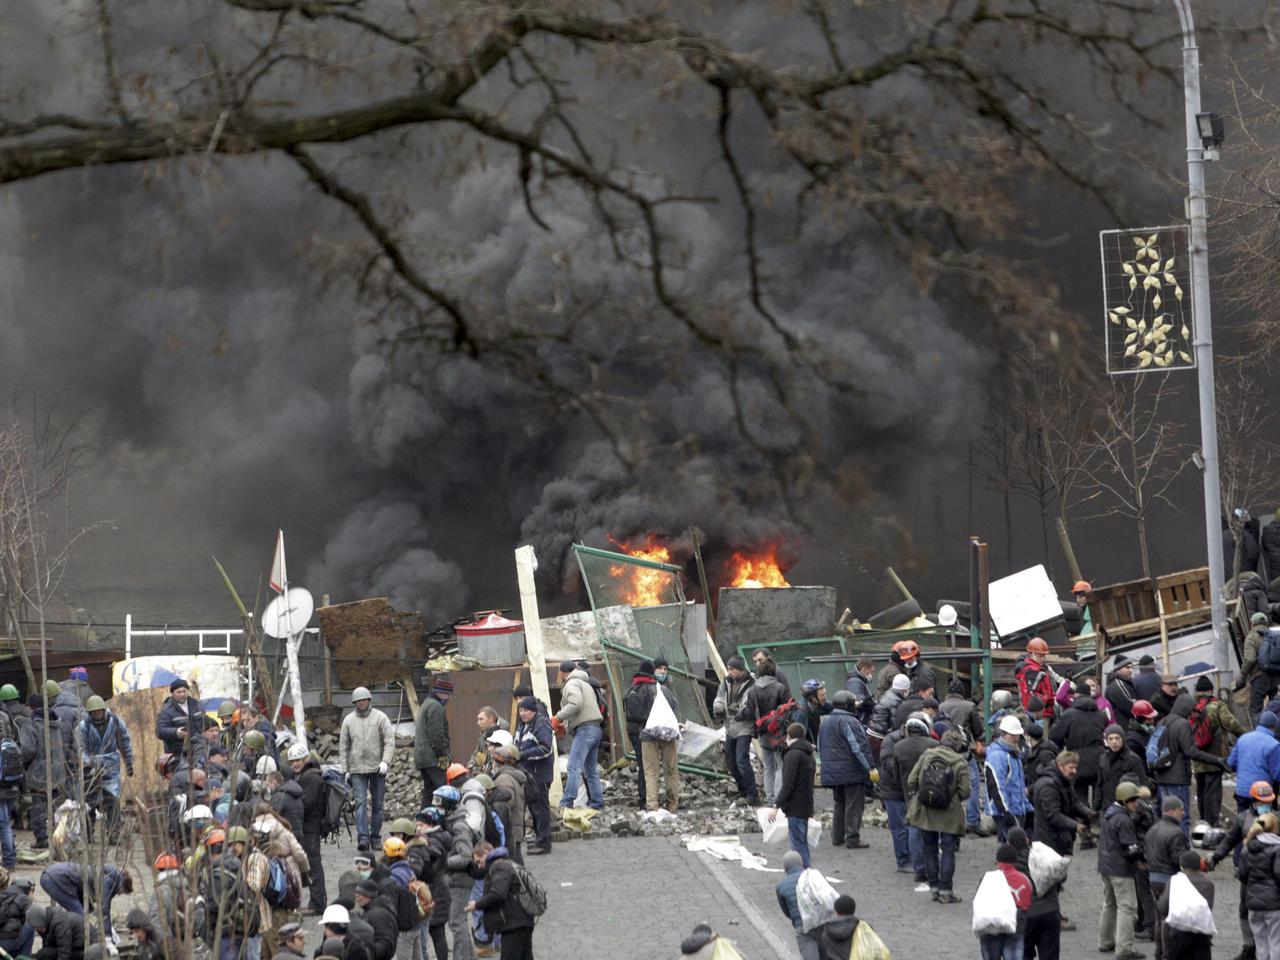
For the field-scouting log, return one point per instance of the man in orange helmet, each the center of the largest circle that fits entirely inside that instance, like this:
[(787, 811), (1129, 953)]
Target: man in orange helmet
[(904, 658), (1081, 590), (1035, 677)]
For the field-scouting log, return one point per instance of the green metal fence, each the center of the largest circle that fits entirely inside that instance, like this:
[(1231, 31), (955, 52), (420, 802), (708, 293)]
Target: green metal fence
[(616, 579)]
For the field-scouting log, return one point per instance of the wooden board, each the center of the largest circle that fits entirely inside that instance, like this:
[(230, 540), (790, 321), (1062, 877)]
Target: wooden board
[(371, 641), (138, 709)]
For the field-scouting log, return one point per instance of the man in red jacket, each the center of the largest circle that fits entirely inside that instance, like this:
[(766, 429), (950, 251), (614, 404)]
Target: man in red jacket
[(1035, 677)]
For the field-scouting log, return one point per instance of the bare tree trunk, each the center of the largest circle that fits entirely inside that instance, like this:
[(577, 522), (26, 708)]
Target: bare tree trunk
[(23, 654), (1008, 530)]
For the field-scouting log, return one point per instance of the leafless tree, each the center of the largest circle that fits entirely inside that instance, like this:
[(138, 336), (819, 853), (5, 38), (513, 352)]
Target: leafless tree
[(1135, 454), (365, 98), (1248, 455)]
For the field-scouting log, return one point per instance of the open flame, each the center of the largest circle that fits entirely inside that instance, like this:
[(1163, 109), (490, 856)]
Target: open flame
[(645, 586), (756, 569)]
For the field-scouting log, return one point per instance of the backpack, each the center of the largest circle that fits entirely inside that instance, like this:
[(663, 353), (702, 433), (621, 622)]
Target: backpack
[(1159, 758), (11, 772), (937, 784), (403, 903), (1200, 725), (231, 908), (277, 888), (772, 727), (1269, 652), (530, 894), (335, 799), (602, 703), (633, 705)]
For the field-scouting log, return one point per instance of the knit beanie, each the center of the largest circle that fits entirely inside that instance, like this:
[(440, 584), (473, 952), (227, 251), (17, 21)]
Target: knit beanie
[(646, 668), (736, 662), (902, 683), (1006, 854), (1113, 728), (1204, 685), (177, 684), (567, 666), (529, 703)]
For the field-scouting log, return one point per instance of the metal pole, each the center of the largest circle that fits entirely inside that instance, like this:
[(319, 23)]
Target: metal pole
[(1203, 343)]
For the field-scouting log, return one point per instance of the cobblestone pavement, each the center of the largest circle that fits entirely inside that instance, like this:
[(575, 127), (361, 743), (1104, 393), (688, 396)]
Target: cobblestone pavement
[(635, 898)]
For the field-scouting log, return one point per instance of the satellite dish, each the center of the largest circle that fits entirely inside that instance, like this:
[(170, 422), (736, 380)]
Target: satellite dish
[(290, 612)]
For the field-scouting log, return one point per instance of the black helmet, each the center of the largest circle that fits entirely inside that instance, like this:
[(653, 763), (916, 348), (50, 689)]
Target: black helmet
[(844, 700)]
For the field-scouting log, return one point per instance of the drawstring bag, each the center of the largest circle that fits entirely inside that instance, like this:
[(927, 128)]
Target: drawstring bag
[(994, 909), (1189, 911)]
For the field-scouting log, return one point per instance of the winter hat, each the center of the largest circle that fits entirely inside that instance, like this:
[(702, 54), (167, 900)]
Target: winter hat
[(1034, 730), (646, 668), (1268, 720), (567, 666), (845, 905), (36, 702), (701, 935), (736, 662), (38, 916), (1113, 728), (367, 888), (1006, 854), (1204, 685), (902, 683), (522, 691), (177, 684), (660, 661), (1035, 705), (443, 685), (529, 703), (928, 703), (137, 919), (1171, 804), (955, 740), (78, 673), (1018, 838), (332, 948), (1146, 660), (790, 859), (956, 685), (1121, 661), (921, 683)]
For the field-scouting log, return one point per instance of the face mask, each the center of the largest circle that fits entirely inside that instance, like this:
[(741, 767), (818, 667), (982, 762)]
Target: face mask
[(1263, 808), (660, 677)]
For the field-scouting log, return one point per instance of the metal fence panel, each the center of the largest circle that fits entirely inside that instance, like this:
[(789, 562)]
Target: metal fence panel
[(790, 655)]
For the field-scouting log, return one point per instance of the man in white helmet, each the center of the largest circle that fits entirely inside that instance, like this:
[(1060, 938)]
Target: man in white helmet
[(307, 772), (365, 747)]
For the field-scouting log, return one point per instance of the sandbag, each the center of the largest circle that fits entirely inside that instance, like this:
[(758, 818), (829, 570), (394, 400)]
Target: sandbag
[(816, 899), (867, 944), (994, 909), (1046, 866), (662, 723), (775, 831), (1189, 911)]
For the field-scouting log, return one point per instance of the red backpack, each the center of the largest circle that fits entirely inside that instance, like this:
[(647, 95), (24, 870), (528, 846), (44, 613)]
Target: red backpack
[(1200, 725), (772, 727)]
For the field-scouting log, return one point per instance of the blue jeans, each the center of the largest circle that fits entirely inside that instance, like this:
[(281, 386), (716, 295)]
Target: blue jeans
[(1005, 946), (375, 785), (63, 899), (772, 761), (228, 949), (1183, 792), (897, 812), (915, 845), (253, 948), (8, 852), (582, 764), (737, 757), (973, 806), (798, 834), (939, 858), (21, 944)]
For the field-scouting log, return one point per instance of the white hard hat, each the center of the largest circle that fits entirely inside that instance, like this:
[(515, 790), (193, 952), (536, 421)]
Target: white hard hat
[(265, 765), (335, 913), (947, 615), (298, 752), (502, 738), (198, 812), (361, 693), (1011, 725)]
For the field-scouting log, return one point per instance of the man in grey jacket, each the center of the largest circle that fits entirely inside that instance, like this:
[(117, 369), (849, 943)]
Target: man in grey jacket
[(730, 698), (580, 715), (366, 745)]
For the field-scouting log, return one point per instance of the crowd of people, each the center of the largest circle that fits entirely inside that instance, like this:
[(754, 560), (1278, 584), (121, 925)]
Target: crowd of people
[(246, 811)]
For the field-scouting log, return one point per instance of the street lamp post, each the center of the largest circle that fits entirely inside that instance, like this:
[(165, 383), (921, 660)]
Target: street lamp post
[(1203, 343)]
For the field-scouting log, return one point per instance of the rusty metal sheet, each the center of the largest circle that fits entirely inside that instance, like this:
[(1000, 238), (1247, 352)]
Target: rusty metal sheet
[(371, 641)]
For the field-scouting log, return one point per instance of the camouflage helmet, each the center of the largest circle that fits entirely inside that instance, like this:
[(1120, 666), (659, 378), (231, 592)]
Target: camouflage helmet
[(225, 709), (52, 688), (237, 835), (402, 825), (254, 740)]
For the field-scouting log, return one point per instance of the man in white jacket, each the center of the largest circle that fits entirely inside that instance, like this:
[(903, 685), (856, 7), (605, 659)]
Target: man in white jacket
[(365, 748)]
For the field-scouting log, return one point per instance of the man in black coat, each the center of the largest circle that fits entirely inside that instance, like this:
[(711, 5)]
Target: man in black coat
[(1080, 729), (1166, 695), (795, 791), (180, 723), (307, 773), (375, 909), (1059, 815), (921, 690), (1117, 762), (1118, 856), (1120, 692), (906, 754), (61, 933), (1163, 846), (1146, 682), (1177, 748)]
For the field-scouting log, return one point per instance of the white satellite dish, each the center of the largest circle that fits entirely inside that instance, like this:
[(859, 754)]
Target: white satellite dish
[(290, 612)]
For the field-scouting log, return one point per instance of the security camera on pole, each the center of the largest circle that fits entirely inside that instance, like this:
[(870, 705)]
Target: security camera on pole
[(286, 618)]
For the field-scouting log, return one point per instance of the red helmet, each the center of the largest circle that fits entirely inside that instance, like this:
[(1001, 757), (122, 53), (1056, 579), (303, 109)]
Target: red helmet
[(1037, 646), (214, 838), (907, 649), (1082, 586), (455, 771), (1261, 791), (1142, 708)]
